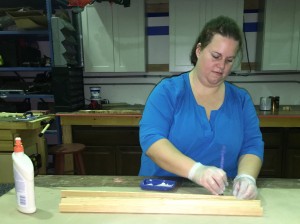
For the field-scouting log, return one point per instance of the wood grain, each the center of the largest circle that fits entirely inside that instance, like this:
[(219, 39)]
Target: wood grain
[(156, 203)]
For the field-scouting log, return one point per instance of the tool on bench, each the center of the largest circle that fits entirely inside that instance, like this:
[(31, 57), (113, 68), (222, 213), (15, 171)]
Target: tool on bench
[(47, 125), (27, 116)]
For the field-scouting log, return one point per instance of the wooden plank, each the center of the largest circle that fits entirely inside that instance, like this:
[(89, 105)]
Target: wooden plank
[(277, 121), (33, 124), (6, 168), (80, 193), (105, 120), (161, 206), (158, 67), (157, 203), (6, 146), (245, 66), (6, 135), (157, 6), (110, 111), (251, 4)]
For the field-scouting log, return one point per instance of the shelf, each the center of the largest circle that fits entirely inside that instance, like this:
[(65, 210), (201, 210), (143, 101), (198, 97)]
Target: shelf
[(23, 37), (25, 96), (25, 32), (16, 69)]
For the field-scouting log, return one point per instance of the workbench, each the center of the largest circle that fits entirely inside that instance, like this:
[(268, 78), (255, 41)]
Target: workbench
[(29, 131), (279, 197), (110, 153), (115, 117), (280, 118), (130, 117)]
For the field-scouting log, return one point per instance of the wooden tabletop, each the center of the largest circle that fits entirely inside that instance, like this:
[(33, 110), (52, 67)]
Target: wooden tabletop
[(279, 198), (8, 123), (131, 117), (133, 181)]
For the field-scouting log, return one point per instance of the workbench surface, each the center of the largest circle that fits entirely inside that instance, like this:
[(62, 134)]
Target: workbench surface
[(14, 125), (280, 200)]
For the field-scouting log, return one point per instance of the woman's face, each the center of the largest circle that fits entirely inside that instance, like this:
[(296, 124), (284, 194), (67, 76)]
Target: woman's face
[(215, 60)]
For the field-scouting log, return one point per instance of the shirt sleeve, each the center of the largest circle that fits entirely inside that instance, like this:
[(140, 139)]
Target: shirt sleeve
[(158, 113), (252, 143)]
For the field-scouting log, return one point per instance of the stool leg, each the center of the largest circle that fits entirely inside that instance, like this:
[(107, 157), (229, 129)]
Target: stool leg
[(59, 164), (79, 165)]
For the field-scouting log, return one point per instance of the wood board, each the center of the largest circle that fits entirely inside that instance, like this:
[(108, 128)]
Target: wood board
[(156, 203)]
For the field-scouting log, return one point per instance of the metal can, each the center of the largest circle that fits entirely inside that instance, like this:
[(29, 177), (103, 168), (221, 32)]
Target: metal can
[(276, 102), (265, 103)]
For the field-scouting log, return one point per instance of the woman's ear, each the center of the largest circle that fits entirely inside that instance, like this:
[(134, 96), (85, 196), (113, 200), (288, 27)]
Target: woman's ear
[(198, 50)]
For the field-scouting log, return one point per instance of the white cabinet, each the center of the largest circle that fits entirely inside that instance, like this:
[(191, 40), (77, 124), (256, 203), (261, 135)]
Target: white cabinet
[(114, 37), (187, 18), (278, 36)]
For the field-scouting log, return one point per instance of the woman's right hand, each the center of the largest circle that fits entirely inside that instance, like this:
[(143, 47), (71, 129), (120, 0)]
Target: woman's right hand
[(210, 177)]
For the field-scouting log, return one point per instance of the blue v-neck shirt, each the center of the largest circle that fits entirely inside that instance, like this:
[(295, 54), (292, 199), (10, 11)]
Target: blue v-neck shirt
[(172, 112)]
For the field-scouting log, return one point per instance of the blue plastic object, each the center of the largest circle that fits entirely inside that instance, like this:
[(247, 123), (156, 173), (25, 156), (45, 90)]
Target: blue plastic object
[(157, 184)]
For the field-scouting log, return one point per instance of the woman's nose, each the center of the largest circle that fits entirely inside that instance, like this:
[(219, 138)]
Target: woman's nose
[(221, 64)]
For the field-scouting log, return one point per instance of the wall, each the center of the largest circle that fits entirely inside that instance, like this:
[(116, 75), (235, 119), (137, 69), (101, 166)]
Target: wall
[(134, 88)]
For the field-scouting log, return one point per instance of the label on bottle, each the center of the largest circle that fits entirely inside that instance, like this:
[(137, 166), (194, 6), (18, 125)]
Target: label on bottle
[(20, 187)]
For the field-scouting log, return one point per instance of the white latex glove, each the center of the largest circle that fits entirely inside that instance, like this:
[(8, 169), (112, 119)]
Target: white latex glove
[(210, 177), (244, 187)]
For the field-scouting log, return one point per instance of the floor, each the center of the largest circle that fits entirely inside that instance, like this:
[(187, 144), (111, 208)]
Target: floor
[(5, 188)]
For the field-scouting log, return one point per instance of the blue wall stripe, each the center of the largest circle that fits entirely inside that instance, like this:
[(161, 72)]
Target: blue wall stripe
[(164, 30), (157, 30), (250, 27), (159, 14)]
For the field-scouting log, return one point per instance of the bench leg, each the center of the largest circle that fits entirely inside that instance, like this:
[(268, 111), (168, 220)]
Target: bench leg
[(59, 164), (79, 165)]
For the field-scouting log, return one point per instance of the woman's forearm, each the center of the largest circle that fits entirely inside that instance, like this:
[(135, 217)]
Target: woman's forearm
[(168, 157), (249, 164)]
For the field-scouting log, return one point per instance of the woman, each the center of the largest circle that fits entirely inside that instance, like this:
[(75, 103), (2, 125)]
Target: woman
[(197, 125)]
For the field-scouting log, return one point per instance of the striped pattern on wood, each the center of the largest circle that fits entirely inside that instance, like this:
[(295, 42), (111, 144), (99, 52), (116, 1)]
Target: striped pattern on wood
[(156, 203)]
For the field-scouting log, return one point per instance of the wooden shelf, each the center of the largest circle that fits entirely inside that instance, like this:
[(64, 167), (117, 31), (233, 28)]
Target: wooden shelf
[(17, 69), (25, 96), (25, 32)]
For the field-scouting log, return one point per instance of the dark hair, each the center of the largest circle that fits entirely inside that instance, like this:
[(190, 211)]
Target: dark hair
[(222, 25)]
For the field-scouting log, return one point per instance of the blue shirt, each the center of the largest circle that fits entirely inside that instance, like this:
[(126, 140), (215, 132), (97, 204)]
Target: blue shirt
[(171, 112)]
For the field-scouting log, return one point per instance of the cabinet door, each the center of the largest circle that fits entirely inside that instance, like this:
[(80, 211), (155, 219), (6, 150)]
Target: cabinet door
[(97, 34), (186, 21), (231, 8), (293, 154), (129, 37), (279, 35), (273, 150), (114, 37), (128, 160), (293, 161), (187, 18), (100, 160)]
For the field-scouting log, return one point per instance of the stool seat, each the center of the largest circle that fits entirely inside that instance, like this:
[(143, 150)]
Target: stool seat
[(59, 151)]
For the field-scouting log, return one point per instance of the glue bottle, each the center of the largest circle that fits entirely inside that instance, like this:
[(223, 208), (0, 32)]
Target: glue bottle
[(24, 178)]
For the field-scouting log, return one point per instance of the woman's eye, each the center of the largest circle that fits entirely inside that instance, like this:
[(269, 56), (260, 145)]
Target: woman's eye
[(229, 60), (215, 56)]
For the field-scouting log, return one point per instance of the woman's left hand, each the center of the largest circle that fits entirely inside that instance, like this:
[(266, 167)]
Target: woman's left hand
[(244, 187)]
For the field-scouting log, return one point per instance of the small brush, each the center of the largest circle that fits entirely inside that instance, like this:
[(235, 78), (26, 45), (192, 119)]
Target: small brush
[(222, 156), (223, 149)]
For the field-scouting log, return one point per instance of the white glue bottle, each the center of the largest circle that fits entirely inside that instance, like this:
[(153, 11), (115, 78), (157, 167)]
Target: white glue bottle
[(24, 179)]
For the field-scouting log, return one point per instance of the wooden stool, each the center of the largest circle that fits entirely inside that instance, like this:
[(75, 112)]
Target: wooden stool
[(59, 151)]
